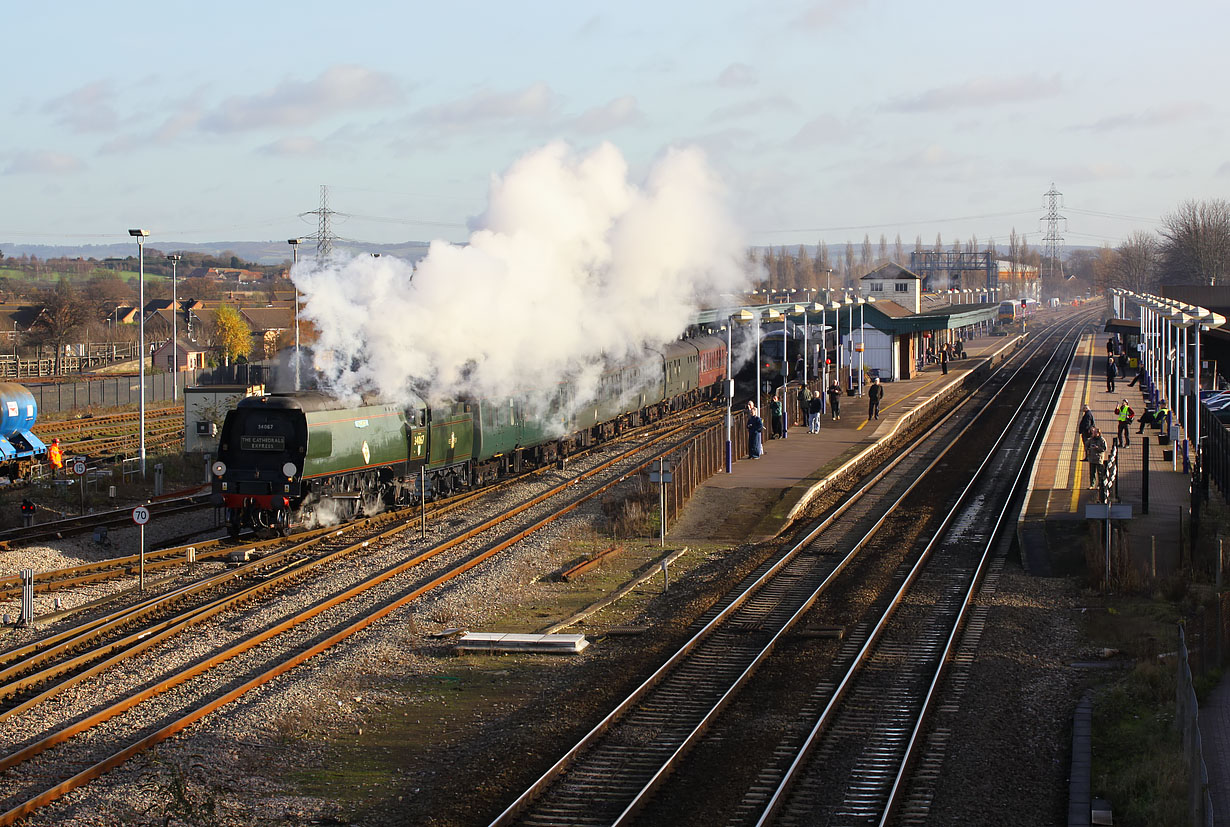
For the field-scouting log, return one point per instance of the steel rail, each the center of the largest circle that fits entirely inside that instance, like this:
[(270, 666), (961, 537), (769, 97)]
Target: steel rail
[(526, 799), (790, 777), (68, 732)]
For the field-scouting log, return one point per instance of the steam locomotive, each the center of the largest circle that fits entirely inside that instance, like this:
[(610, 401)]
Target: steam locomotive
[(286, 459)]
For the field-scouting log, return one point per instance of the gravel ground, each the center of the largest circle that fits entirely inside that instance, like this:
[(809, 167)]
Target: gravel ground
[(393, 728)]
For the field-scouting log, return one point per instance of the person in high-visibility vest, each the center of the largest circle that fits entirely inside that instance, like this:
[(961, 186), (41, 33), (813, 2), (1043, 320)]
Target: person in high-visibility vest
[(1125, 415), (55, 455)]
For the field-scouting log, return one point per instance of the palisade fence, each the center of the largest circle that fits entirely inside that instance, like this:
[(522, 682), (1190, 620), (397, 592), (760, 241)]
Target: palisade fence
[(1187, 720), (701, 458), (114, 391)]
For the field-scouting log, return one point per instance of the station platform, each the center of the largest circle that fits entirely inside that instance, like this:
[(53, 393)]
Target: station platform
[(1052, 528), (760, 497)]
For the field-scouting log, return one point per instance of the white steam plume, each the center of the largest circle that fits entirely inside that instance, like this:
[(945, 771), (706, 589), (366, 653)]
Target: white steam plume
[(574, 267)]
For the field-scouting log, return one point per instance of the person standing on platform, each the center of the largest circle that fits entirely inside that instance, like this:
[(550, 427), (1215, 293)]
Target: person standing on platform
[(835, 400), (815, 412), (1112, 373), (1084, 427), (1112, 347), (802, 398), (1125, 415), (875, 393), (944, 359), (755, 432), (1096, 448)]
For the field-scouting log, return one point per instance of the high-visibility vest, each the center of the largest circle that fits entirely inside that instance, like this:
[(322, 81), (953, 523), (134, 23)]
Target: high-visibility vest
[(56, 456), (1125, 413)]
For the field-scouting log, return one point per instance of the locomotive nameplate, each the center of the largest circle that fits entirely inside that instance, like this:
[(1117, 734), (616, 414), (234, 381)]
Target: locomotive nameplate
[(262, 443)]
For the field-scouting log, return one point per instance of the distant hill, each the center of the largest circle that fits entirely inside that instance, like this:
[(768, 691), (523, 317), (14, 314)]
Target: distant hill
[(257, 252)]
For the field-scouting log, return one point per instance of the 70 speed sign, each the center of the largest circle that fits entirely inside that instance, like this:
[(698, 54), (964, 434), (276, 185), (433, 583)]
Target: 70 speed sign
[(140, 515)]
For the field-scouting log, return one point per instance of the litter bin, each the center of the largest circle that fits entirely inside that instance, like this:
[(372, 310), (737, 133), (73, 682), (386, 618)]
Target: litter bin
[(1168, 454)]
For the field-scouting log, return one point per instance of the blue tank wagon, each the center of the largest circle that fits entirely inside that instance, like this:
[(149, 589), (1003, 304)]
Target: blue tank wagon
[(20, 449)]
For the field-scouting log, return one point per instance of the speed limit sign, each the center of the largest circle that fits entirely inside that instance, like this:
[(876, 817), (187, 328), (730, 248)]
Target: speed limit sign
[(140, 515), (79, 467)]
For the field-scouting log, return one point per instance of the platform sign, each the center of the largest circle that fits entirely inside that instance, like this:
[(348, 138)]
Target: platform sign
[(665, 476), (140, 515), (1097, 511)]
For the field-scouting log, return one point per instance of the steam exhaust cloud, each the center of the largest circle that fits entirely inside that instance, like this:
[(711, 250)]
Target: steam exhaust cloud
[(572, 268)]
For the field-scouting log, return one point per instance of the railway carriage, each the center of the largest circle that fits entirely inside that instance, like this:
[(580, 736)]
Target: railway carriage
[(284, 456)]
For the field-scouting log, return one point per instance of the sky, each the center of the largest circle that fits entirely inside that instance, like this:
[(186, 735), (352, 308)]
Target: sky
[(825, 121)]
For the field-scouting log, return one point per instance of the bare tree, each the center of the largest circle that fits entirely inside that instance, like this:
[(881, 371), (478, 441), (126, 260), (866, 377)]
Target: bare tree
[(1196, 249), (62, 317), (899, 252), (1137, 262)]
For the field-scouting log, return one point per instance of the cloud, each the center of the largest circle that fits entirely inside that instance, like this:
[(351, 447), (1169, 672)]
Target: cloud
[(482, 108), (1223, 170), (43, 163), (828, 13), (1167, 115), (822, 131), (586, 266), (294, 147), (296, 103), (737, 74), (979, 92), (617, 113), (85, 109), (749, 108)]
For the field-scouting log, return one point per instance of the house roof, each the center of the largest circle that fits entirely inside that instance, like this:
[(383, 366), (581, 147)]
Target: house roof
[(184, 345), (269, 318), (890, 272), (892, 309)]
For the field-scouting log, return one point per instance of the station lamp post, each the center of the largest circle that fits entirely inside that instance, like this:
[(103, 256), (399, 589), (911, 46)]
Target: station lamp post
[(742, 317), (1208, 321), (174, 259), (849, 303), (769, 314), (794, 310), (860, 301), (294, 259), (835, 306), (140, 236)]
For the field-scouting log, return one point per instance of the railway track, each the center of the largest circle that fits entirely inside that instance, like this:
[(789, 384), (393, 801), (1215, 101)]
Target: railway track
[(833, 600), (103, 437), (300, 624)]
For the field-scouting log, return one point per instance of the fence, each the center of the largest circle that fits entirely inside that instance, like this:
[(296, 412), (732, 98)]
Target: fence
[(700, 459), (1187, 720), (115, 391), (107, 392), (44, 364)]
